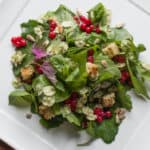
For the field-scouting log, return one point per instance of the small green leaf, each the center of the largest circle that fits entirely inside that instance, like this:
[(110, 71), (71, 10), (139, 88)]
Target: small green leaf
[(53, 123), (141, 48), (21, 98), (107, 130), (64, 14), (110, 72), (123, 98), (73, 119), (98, 14), (119, 34), (138, 85)]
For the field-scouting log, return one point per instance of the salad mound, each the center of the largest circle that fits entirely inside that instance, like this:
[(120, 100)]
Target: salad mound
[(77, 69)]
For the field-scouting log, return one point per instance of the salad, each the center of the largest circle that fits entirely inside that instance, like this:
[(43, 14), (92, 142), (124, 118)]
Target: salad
[(77, 69)]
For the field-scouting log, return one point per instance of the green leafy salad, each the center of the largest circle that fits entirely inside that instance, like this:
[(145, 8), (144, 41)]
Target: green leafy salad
[(77, 69)]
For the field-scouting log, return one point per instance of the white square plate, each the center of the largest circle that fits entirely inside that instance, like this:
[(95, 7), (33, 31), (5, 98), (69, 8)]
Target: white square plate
[(27, 134)]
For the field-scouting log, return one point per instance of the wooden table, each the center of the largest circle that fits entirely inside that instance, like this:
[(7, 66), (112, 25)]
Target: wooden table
[(4, 146)]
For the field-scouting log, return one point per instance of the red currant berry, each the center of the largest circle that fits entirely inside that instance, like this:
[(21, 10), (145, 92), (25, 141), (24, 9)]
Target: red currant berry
[(99, 119), (74, 95), (97, 111), (85, 20), (90, 52), (83, 26), (91, 27), (102, 114), (97, 30), (108, 114), (90, 59), (88, 30), (53, 24), (52, 35), (38, 69)]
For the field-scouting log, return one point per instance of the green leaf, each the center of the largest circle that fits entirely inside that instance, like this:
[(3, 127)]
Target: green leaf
[(34, 107), (53, 123), (138, 85), (26, 61), (110, 72), (64, 14), (73, 119), (61, 96), (42, 80), (143, 72), (27, 87), (119, 34), (141, 48), (21, 98), (123, 98), (107, 130), (28, 27), (69, 71), (81, 77), (98, 14)]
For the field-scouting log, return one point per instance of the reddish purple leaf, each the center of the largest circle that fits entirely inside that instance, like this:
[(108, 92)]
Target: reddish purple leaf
[(49, 71), (39, 53)]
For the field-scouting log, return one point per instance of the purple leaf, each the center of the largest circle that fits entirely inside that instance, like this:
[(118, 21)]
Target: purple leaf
[(39, 53), (49, 71)]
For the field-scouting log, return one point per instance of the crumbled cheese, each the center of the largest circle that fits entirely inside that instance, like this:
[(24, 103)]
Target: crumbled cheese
[(48, 100), (111, 50), (80, 43), (82, 100), (120, 114), (38, 31), (104, 63), (17, 58), (63, 46), (38, 89), (96, 41), (121, 65), (59, 29), (67, 24), (83, 91), (92, 70), (27, 72), (48, 96), (120, 25), (56, 48), (65, 111), (45, 43), (146, 66), (108, 100), (89, 113), (17, 83), (46, 112), (49, 91), (30, 38)]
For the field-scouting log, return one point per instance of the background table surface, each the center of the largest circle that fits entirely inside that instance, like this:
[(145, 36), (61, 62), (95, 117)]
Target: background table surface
[(4, 146)]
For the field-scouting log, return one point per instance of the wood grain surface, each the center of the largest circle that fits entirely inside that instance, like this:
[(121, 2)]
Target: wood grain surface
[(5, 146)]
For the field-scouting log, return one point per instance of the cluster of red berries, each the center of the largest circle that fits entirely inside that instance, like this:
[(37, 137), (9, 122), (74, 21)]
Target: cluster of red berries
[(86, 24), (125, 77), (18, 41), (72, 101), (90, 57), (119, 59), (101, 115), (38, 69), (52, 27)]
